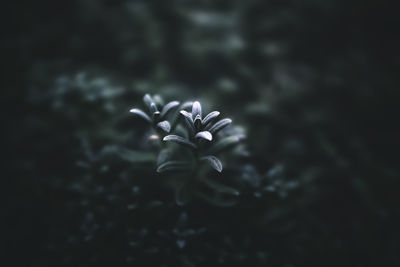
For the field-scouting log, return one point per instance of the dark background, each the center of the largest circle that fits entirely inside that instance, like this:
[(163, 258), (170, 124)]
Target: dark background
[(314, 83)]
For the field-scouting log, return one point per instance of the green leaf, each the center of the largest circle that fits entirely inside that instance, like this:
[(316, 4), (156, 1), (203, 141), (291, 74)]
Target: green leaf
[(197, 123), (189, 121), (213, 161), (220, 187), (204, 135), (210, 117), (186, 105), (220, 125), (140, 113), (153, 108), (147, 100), (164, 155), (168, 107), (196, 109), (158, 100), (187, 116), (164, 125), (223, 144), (179, 140), (173, 166)]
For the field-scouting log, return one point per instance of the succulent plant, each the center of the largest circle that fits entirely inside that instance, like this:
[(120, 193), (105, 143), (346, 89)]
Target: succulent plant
[(200, 132), (205, 138), (199, 140), (156, 117)]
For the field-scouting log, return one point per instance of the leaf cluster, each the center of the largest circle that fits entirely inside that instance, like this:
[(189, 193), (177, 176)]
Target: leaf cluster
[(194, 140)]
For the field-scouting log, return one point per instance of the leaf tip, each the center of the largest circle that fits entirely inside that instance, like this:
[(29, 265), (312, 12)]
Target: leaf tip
[(205, 135), (165, 126)]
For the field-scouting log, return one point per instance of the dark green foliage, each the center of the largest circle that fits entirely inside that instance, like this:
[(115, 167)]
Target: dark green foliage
[(312, 85), (201, 139), (156, 118)]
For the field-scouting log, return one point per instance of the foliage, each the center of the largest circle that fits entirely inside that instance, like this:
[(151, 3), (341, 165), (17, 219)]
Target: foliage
[(202, 136), (312, 84)]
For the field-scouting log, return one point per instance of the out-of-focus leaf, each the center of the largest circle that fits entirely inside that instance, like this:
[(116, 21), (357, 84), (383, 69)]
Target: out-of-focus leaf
[(179, 140), (164, 155), (276, 171), (196, 109), (220, 125), (158, 100), (182, 195), (181, 131), (140, 113), (165, 126), (220, 187), (223, 144), (147, 100), (186, 105), (210, 117), (216, 202), (173, 166), (168, 107), (135, 156), (153, 108), (213, 161), (205, 135)]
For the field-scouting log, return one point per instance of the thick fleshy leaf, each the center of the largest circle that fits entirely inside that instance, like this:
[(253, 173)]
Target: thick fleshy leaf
[(140, 113), (164, 155), (179, 140), (204, 135), (223, 144), (147, 100), (219, 125), (173, 166), (164, 125), (188, 120), (213, 161), (186, 105), (197, 123), (196, 109), (210, 117), (158, 100), (187, 115), (168, 107), (220, 187), (153, 108)]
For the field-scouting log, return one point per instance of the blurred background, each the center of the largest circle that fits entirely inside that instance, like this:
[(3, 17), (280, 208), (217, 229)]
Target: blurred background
[(314, 84)]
